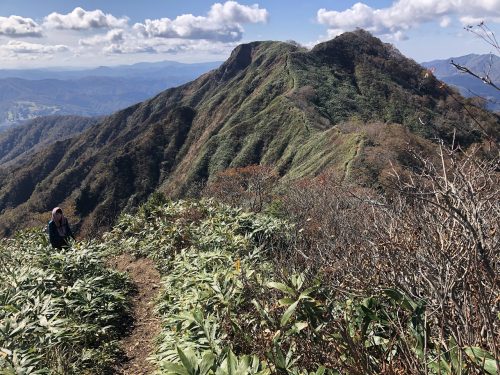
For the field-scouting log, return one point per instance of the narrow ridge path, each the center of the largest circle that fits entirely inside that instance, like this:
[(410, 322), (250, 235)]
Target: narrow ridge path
[(347, 165), (139, 344)]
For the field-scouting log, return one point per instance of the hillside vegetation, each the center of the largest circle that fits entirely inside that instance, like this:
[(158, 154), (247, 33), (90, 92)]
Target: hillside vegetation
[(22, 100), (343, 218), (330, 290), (61, 312), (271, 103), (32, 136)]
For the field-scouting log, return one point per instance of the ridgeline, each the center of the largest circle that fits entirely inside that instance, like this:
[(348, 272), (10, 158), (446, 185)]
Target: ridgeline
[(349, 105)]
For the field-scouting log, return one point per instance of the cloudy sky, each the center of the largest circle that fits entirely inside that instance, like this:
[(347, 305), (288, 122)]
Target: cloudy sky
[(44, 33)]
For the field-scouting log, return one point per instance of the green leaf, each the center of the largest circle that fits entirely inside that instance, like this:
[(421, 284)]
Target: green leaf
[(286, 301), (206, 363), (198, 316), (188, 359), (308, 291), (280, 358), (455, 355), (481, 356), (394, 294), (369, 314), (440, 366), (262, 311), (232, 363), (174, 368), (321, 370), (288, 313), (299, 326), (282, 287), (244, 365), (398, 296), (476, 352), (490, 366), (43, 321), (300, 280), (276, 336)]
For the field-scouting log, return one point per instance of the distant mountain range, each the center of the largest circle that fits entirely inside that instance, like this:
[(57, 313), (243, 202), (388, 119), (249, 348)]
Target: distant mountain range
[(467, 85), (350, 106), (26, 94)]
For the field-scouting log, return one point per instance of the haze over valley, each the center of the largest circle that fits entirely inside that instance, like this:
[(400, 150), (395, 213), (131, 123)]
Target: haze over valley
[(26, 94)]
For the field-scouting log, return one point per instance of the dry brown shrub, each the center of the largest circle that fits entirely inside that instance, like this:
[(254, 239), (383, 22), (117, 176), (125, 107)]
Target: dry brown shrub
[(249, 187), (436, 238)]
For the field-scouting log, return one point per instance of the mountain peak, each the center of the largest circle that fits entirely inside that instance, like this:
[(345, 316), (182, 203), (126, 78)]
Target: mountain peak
[(350, 46), (246, 54), (240, 58)]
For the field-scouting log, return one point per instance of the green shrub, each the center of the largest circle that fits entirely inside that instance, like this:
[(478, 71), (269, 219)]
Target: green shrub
[(60, 311)]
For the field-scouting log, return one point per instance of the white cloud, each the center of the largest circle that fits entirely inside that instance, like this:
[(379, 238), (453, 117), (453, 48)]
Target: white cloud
[(17, 27), (113, 36), (222, 23), (80, 19), (232, 12), (98, 35), (445, 21), (120, 48), (118, 41), (202, 46), (18, 47), (472, 21), (398, 36), (131, 45), (403, 15)]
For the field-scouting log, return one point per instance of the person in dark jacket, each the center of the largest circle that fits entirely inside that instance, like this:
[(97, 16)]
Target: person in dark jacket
[(59, 230)]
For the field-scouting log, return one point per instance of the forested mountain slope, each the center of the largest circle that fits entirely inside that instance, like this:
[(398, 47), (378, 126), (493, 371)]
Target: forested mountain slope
[(270, 103), (26, 94), (35, 134)]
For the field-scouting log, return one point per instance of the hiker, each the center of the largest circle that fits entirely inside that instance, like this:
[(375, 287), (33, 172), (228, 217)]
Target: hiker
[(59, 230)]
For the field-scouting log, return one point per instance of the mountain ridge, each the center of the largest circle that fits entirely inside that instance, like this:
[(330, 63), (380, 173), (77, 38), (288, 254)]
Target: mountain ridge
[(137, 69), (270, 103), (35, 134)]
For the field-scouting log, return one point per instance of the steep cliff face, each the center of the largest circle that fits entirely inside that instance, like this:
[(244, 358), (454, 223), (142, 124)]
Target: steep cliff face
[(271, 103)]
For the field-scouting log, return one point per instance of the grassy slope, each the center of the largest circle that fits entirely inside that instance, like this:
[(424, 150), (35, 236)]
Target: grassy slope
[(28, 138)]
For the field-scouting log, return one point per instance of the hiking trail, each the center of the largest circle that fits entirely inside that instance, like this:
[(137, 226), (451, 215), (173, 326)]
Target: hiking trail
[(138, 345), (348, 163)]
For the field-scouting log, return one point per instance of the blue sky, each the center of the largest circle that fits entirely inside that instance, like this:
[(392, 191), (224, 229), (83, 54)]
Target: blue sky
[(35, 33)]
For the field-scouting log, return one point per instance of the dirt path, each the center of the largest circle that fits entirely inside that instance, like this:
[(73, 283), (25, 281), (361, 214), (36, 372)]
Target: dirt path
[(139, 344)]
